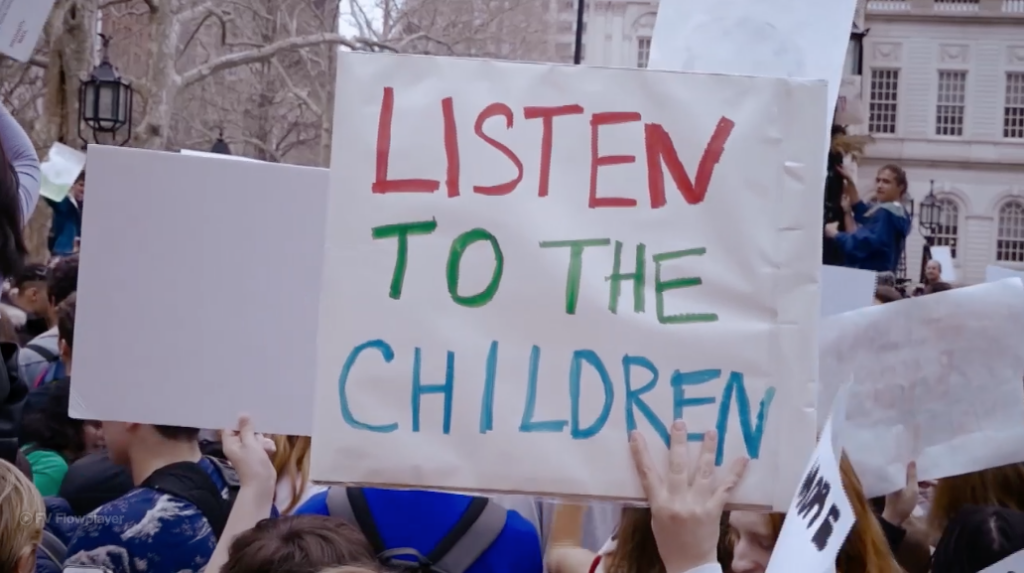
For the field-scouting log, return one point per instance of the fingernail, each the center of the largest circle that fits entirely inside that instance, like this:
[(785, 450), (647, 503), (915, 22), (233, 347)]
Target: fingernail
[(633, 436), (679, 426)]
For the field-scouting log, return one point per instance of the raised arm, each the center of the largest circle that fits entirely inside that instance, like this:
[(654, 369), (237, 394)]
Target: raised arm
[(22, 156)]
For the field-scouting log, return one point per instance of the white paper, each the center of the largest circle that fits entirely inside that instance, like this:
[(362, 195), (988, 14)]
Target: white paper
[(820, 516), (21, 23), (775, 38), (218, 155), (944, 256), (844, 289), (1012, 564), (197, 292), (766, 197), (995, 273), (60, 169), (936, 379)]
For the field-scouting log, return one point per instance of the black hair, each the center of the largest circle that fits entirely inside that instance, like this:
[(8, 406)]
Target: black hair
[(12, 243), (29, 274), (50, 427), (62, 279), (178, 433), (66, 319), (978, 537)]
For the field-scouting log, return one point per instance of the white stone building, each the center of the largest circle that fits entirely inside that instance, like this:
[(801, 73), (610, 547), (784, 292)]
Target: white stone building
[(943, 82)]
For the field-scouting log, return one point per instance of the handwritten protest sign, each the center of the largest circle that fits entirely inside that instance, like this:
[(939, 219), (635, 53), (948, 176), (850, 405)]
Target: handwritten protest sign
[(206, 311), (936, 379), (522, 266), (60, 169), (995, 273), (21, 22), (820, 516)]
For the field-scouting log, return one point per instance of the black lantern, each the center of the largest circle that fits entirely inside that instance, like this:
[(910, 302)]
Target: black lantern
[(855, 52), (220, 146), (931, 213), (105, 100)]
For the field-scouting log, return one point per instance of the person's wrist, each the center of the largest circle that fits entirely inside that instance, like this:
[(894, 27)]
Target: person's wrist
[(686, 565), (892, 517)]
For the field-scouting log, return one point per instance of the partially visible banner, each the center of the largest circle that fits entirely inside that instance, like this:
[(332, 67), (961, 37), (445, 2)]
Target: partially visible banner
[(850, 105), (21, 23), (60, 169)]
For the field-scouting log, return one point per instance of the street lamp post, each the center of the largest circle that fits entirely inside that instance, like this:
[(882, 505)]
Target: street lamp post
[(577, 57), (220, 146), (105, 101), (928, 224)]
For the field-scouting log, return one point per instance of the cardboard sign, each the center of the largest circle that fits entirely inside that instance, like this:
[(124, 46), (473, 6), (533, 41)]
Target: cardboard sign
[(21, 23), (776, 38), (944, 256), (936, 379), (820, 516), (196, 295), (522, 266)]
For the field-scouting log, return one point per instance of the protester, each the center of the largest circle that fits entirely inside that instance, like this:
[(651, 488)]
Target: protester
[(298, 543), (937, 287), (932, 272), (886, 294), (977, 538), (39, 361), (19, 537), (882, 227), (66, 225), (291, 462), (19, 191), (29, 306), (995, 487)]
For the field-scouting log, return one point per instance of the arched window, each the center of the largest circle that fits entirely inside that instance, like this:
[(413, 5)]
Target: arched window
[(1010, 233), (948, 231)]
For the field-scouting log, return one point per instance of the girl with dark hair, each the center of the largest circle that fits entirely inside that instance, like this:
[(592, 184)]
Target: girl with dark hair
[(19, 191), (978, 537)]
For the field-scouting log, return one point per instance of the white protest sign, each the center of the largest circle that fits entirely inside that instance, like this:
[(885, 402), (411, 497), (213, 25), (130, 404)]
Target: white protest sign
[(513, 281), (820, 516), (844, 289), (936, 379), (21, 23), (218, 155), (197, 291), (1012, 564), (776, 38), (60, 169), (944, 256), (995, 273)]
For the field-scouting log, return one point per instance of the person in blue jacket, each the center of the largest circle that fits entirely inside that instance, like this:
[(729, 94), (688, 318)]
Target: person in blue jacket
[(418, 521), (876, 232), (66, 226)]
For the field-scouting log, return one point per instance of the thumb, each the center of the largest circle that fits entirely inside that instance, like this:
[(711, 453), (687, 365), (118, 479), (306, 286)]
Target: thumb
[(912, 473)]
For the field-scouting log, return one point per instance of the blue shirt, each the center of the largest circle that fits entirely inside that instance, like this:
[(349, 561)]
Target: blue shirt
[(420, 519), (146, 531), (878, 242)]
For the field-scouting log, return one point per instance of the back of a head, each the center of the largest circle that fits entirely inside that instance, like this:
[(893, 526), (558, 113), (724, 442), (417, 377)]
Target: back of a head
[(50, 427), (92, 481), (887, 294), (994, 487), (978, 537), (19, 536), (298, 544), (62, 279)]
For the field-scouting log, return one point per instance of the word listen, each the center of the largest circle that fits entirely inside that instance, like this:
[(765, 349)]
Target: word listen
[(633, 391), (658, 145), (402, 231)]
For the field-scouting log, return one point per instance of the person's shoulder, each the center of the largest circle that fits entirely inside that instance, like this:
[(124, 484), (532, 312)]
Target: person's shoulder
[(517, 549)]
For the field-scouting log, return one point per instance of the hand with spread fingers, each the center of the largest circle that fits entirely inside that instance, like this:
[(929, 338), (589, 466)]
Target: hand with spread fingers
[(687, 503)]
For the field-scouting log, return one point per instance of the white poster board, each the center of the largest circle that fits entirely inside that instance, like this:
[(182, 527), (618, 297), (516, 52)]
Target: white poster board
[(196, 295), (995, 273), (1012, 564), (936, 380), (944, 256), (486, 349), (844, 289), (820, 517), (777, 38), (60, 169), (21, 23), (218, 155)]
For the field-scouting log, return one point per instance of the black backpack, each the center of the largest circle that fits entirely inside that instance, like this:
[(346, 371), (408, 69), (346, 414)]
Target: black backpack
[(190, 482), (53, 547), (478, 528)]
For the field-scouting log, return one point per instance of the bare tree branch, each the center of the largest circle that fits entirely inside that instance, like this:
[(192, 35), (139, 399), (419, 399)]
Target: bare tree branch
[(265, 53)]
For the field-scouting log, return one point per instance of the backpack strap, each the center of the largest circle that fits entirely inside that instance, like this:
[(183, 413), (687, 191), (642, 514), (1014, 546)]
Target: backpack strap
[(338, 505), (353, 507), (230, 478), (190, 482), (478, 528), (47, 354), (53, 547)]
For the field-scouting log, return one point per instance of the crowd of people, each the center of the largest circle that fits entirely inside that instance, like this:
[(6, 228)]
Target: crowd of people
[(138, 498)]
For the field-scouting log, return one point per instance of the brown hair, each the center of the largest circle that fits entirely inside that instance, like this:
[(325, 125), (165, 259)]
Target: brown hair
[(898, 174), (298, 544), (635, 550), (886, 294), (995, 487), (351, 569), (66, 319), (292, 460)]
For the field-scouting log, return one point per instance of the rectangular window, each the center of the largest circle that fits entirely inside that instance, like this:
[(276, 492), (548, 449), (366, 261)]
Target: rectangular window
[(1013, 113), (951, 103), (882, 101), (643, 52)]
